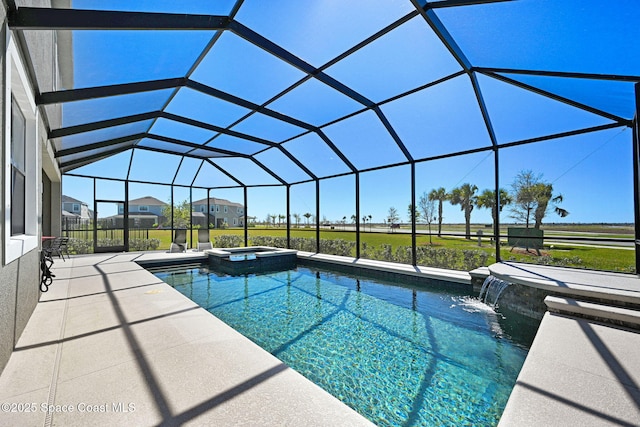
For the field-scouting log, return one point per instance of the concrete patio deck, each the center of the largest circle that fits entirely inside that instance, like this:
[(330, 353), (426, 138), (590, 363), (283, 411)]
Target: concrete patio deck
[(582, 369), (577, 373), (110, 344)]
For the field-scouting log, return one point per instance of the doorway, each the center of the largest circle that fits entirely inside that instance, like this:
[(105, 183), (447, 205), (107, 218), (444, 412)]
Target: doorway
[(111, 233)]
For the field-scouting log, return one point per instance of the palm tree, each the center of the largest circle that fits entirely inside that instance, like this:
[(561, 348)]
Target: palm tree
[(281, 217), (532, 197), (370, 217), (465, 196), (488, 200), (296, 216), (544, 195), (307, 216), (440, 195)]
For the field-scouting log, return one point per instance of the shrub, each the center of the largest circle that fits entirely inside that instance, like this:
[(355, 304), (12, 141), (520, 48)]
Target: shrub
[(144, 244), (328, 246), (364, 250), (275, 242), (403, 254), (227, 241), (384, 252), (337, 247), (560, 262), (80, 246), (472, 259)]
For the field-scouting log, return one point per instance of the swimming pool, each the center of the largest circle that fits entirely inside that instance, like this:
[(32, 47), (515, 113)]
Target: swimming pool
[(399, 356)]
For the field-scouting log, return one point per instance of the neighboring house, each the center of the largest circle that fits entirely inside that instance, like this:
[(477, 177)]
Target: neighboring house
[(144, 212), (144, 206), (75, 212), (221, 211), (147, 211)]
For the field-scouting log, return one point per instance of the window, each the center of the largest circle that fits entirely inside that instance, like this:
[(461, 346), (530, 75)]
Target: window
[(143, 208), (120, 209), (235, 221), (217, 208), (213, 208), (18, 169), (76, 207), (21, 160), (239, 210), (225, 209)]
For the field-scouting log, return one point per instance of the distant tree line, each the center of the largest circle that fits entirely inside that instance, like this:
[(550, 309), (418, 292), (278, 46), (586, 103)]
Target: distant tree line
[(530, 200)]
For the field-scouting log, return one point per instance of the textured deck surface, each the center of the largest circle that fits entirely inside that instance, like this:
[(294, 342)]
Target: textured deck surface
[(579, 372), (110, 344)]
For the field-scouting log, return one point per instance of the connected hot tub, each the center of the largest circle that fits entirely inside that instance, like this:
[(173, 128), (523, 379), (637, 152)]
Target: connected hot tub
[(251, 259)]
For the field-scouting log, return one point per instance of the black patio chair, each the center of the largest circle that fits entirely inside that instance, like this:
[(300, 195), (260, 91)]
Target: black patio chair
[(58, 246)]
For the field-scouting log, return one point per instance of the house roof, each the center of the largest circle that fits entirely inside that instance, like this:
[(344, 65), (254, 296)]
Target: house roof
[(216, 201), (147, 201), (67, 199)]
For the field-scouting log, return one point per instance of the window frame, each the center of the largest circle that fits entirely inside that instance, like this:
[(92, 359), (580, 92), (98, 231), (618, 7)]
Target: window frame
[(17, 86)]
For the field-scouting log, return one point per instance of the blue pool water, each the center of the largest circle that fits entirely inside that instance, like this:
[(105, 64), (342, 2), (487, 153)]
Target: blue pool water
[(399, 356)]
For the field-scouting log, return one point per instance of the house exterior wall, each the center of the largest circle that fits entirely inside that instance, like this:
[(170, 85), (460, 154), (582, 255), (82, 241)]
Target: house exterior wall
[(220, 213), (152, 210), (135, 208), (20, 269), (83, 212)]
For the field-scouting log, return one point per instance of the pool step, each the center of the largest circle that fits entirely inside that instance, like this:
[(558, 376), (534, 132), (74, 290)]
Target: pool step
[(620, 316)]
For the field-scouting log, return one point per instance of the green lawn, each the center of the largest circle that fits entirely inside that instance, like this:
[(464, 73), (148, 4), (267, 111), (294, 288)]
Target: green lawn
[(594, 258), (575, 256)]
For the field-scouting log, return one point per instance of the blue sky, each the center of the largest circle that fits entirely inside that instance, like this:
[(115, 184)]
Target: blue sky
[(591, 171)]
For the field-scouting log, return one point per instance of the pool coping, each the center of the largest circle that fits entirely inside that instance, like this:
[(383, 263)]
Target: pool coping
[(456, 276), (258, 251), (572, 282)]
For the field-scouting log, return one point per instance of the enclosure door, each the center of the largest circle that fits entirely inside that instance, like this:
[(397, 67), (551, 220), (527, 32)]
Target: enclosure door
[(110, 232)]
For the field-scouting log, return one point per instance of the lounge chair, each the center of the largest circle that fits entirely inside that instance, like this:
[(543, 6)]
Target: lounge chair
[(204, 242), (179, 243)]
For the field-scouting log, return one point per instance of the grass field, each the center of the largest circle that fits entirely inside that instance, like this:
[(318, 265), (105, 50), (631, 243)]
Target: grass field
[(590, 257), (626, 230), (583, 256)]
